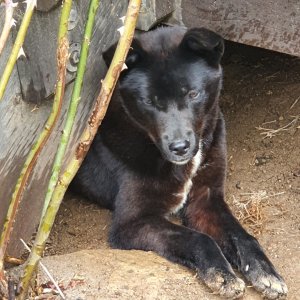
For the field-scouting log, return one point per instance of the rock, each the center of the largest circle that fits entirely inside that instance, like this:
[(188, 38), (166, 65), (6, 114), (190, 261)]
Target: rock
[(116, 274)]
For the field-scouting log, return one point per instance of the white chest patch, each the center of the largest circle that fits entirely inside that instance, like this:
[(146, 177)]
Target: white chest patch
[(189, 183)]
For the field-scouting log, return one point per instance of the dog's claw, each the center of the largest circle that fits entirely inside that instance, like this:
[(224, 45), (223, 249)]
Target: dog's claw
[(227, 286), (259, 271), (268, 282), (272, 287)]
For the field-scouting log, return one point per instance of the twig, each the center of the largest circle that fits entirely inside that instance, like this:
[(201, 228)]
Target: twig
[(295, 102), (75, 98), (17, 48), (46, 272), (272, 75), (269, 122), (8, 23), (269, 132), (262, 195), (94, 122)]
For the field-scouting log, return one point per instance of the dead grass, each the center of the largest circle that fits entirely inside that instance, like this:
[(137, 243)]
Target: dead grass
[(270, 132), (249, 209)]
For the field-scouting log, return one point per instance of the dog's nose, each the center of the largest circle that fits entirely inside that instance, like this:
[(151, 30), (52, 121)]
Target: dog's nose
[(179, 147)]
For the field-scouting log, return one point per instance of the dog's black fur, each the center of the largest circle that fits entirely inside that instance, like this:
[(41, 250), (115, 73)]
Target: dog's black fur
[(161, 148)]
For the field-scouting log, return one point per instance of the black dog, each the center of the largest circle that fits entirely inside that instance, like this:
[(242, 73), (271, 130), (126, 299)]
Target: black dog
[(161, 149)]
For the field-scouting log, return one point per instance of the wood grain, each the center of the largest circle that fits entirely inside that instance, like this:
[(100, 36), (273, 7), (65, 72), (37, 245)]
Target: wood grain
[(21, 122), (273, 25)]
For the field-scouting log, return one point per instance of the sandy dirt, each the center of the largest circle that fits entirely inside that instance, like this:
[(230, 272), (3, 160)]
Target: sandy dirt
[(261, 104)]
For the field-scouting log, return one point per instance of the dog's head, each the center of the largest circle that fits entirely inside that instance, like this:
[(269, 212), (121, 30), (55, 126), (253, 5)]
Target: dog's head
[(172, 82)]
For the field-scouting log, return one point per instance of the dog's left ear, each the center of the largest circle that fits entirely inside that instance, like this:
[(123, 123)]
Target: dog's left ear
[(134, 56), (204, 43)]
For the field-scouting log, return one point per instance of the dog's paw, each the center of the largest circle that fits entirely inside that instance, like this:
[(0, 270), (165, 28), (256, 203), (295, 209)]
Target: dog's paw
[(272, 286), (226, 285), (258, 270)]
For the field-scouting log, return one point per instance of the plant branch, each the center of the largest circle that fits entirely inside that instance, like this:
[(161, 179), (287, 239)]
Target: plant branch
[(31, 4), (94, 122), (44, 268), (75, 99), (8, 23)]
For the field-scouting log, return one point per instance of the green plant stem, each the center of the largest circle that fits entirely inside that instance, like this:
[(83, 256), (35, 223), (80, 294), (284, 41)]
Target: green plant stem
[(75, 98), (17, 46), (86, 138)]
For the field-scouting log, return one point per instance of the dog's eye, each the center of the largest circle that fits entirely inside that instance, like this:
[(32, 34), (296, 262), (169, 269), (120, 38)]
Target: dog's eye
[(147, 101), (193, 94)]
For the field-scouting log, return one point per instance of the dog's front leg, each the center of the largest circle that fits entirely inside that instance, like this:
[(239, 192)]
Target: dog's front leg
[(137, 224), (208, 213)]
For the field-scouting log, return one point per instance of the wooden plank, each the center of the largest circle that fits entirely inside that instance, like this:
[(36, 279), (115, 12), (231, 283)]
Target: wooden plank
[(21, 122), (154, 11), (46, 5), (37, 71), (270, 24), (10, 100)]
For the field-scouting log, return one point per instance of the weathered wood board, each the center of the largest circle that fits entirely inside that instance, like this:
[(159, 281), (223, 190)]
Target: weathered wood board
[(270, 24), (21, 122), (273, 25), (154, 11), (37, 71)]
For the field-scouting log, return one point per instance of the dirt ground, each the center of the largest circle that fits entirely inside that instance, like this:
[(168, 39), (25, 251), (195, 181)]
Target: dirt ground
[(261, 104)]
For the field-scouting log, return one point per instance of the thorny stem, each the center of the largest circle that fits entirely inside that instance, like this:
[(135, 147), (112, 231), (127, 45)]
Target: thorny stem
[(3, 82), (75, 98), (31, 4), (94, 122), (8, 23), (62, 57)]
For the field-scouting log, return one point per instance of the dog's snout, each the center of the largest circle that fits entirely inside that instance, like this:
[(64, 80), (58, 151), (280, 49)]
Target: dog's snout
[(180, 147)]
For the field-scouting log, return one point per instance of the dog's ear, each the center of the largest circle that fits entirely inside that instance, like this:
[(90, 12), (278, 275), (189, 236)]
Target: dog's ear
[(134, 56), (204, 43)]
